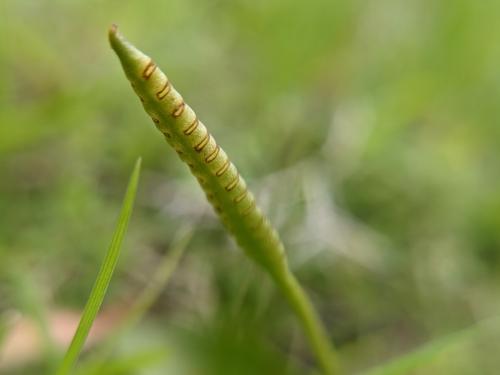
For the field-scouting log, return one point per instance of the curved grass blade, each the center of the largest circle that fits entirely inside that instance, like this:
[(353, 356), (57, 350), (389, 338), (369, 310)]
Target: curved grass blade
[(143, 302), (103, 277), (224, 188), (412, 361), (132, 363), (160, 278)]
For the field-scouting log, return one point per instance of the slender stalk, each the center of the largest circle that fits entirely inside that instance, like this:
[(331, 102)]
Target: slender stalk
[(224, 187), (311, 323)]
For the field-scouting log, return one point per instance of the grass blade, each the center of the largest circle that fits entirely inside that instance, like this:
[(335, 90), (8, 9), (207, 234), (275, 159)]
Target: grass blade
[(412, 361), (103, 277), (143, 302), (160, 278)]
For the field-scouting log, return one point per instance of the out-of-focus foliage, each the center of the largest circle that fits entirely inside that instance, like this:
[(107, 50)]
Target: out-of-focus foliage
[(369, 129)]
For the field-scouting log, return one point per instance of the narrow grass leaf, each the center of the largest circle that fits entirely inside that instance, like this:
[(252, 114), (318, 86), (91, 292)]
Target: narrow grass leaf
[(131, 363), (143, 302), (160, 278), (103, 278), (424, 355)]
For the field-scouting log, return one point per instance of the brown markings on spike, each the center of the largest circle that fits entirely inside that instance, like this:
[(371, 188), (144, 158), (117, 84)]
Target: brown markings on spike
[(240, 197), (141, 99), (223, 169), (259, 223), (233, 183), (249, 209), (218, 209), (179, 109), (164, 90), (213, 154), (149, 69), (200, 146), (155, 120), (192, 127)]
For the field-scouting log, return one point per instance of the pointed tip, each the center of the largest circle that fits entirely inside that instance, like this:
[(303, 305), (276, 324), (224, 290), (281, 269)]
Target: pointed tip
[(138, 162), (137, 165), (131, 58), (116, 39), (112, 31), (134, 177)]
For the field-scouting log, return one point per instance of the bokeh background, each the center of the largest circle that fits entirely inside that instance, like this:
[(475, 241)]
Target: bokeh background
[(369, 131)]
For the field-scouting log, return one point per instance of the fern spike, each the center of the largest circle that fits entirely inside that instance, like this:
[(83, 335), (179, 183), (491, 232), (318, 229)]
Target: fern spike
[(225, 189)]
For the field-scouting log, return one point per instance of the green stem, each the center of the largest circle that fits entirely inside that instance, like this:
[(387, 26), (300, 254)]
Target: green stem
[(312, 325)]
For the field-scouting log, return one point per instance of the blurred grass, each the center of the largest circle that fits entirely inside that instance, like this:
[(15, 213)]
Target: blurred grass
[(370, 131), (141, 304), (444, 354)]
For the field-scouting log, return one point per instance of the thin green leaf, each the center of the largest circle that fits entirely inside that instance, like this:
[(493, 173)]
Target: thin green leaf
[(143, 302), (410, 362), (132, 363), (103, 278), (160, 278)]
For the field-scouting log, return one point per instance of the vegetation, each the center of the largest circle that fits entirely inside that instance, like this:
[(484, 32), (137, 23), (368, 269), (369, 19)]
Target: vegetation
[(367, 132), (103, 279)]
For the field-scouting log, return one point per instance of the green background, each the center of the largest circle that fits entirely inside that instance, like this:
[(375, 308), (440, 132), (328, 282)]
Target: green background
[(369, 131)]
